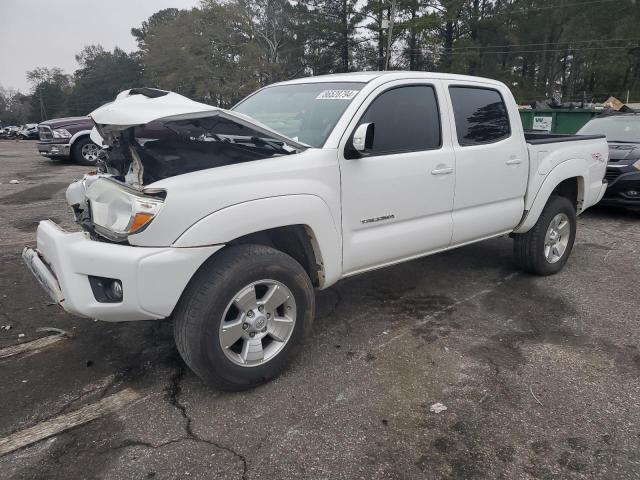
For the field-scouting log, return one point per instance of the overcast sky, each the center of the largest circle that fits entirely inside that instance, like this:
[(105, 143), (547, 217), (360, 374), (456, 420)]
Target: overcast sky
[(49, 33)]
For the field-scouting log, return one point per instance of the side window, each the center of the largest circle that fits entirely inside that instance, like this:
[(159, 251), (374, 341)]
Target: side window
[(480, 114), (406, 119)]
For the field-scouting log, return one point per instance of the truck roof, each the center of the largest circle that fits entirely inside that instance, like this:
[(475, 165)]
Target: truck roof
[(366, 77)]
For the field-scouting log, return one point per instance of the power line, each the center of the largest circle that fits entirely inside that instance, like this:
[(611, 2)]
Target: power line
[(498, 52), (550, 50), (566, 5), (548, 43), (462, 50)]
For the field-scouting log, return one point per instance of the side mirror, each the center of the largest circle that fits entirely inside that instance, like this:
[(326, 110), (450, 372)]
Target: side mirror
[(363, 137)]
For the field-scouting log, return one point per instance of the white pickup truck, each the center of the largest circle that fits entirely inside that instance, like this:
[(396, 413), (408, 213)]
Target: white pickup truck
[(226, 220)]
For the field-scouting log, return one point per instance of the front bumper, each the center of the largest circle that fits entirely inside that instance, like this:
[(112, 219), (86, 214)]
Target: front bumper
[(153, 279), (54, 150), (619, 190)]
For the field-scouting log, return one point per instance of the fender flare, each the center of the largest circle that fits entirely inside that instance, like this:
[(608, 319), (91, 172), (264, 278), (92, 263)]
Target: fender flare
[(77, 135), (572, 168), (235, 221)]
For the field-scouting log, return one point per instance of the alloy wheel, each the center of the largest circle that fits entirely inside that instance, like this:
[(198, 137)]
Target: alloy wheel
[(90, 152), (557, 238), (257, 323)]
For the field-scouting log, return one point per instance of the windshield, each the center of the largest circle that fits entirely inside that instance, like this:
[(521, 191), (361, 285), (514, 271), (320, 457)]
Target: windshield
[(623, 128), (304, 112)]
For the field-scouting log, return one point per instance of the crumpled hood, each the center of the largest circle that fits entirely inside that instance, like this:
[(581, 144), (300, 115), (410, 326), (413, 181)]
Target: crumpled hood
[(151, 134), (624, 153), (140, 106), (133, 107)]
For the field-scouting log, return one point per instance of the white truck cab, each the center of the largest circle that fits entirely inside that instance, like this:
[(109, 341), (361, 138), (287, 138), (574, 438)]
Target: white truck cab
[(226, 220)]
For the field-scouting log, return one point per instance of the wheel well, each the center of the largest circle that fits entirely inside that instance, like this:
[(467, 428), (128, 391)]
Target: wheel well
[(572, 189), (72, 145), (80, 137), (297, 241)]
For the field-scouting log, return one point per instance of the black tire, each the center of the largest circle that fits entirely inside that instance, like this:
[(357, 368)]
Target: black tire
[(76, 152), (529, 248), (199, 312)]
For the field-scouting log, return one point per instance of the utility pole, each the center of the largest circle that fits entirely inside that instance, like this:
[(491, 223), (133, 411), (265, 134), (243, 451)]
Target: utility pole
[(43, 111), (345, 36), (392, 14), (382, 27)]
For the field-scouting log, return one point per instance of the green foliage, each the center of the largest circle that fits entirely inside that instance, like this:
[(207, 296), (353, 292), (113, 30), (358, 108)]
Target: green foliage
[(161, 17), (573, 49), (15, 108), (101, 76), (223, 50), (203, 54), (50, 91)]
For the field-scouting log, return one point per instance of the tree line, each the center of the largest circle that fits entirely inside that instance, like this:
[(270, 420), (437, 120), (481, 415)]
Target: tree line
[(574, 50)]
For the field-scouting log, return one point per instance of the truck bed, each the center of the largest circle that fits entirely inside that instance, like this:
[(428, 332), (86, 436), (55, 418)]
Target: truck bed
[(547, 151)]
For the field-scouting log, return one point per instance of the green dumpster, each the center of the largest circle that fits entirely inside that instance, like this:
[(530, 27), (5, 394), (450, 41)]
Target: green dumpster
[(556, 120)]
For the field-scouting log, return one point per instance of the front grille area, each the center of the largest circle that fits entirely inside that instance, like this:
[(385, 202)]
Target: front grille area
[(44, 133), (611, 174)]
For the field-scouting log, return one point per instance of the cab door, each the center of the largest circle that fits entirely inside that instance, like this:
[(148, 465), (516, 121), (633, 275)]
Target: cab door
[(492, 165), (397, 197)]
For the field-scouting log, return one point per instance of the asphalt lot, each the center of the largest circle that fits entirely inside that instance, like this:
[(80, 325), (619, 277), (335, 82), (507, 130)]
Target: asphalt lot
[(540, 376)]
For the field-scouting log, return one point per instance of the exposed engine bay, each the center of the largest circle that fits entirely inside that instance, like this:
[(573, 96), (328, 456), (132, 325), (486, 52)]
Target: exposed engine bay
[(143, 155), (147, 137)]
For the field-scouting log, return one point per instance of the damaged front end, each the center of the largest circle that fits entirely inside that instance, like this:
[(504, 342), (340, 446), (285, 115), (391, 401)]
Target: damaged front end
[(110, 210), (149, 135)]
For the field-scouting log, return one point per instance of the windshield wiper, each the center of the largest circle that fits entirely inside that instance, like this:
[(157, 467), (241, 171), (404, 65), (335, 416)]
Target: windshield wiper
[(623, 141), (261, 142)]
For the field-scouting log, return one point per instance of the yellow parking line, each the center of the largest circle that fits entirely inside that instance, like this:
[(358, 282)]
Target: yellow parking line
[(59, 424), (30, 346)]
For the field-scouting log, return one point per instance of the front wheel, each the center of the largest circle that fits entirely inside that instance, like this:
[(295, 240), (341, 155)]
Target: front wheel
[(243, 316), (545, 248), (85, 152)]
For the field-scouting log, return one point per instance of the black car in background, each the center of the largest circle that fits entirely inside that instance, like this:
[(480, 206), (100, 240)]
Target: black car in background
[(623, 171)]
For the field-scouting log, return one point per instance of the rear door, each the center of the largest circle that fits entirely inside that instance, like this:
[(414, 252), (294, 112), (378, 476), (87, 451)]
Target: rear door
[(491, 161), (397, 200)]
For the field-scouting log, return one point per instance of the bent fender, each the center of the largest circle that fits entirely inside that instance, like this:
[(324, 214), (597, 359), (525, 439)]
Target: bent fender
[(574, 168), (253, 216)]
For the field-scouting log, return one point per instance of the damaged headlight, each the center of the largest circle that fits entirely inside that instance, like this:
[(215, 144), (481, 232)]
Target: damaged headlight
[(60, 133), (118, 211)]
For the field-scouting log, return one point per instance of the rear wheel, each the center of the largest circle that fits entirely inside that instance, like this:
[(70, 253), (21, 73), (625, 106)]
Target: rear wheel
[(244, 316), (85, 152), (545, 248)]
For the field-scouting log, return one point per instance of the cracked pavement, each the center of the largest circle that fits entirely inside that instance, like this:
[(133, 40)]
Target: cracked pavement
[(540, 376)]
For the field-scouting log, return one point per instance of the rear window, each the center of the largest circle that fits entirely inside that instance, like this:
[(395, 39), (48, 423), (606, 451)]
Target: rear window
[(480, 115)]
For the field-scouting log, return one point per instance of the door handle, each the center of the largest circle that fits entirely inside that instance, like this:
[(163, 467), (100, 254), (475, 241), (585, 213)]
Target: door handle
[(442, 171), (514, 161)]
